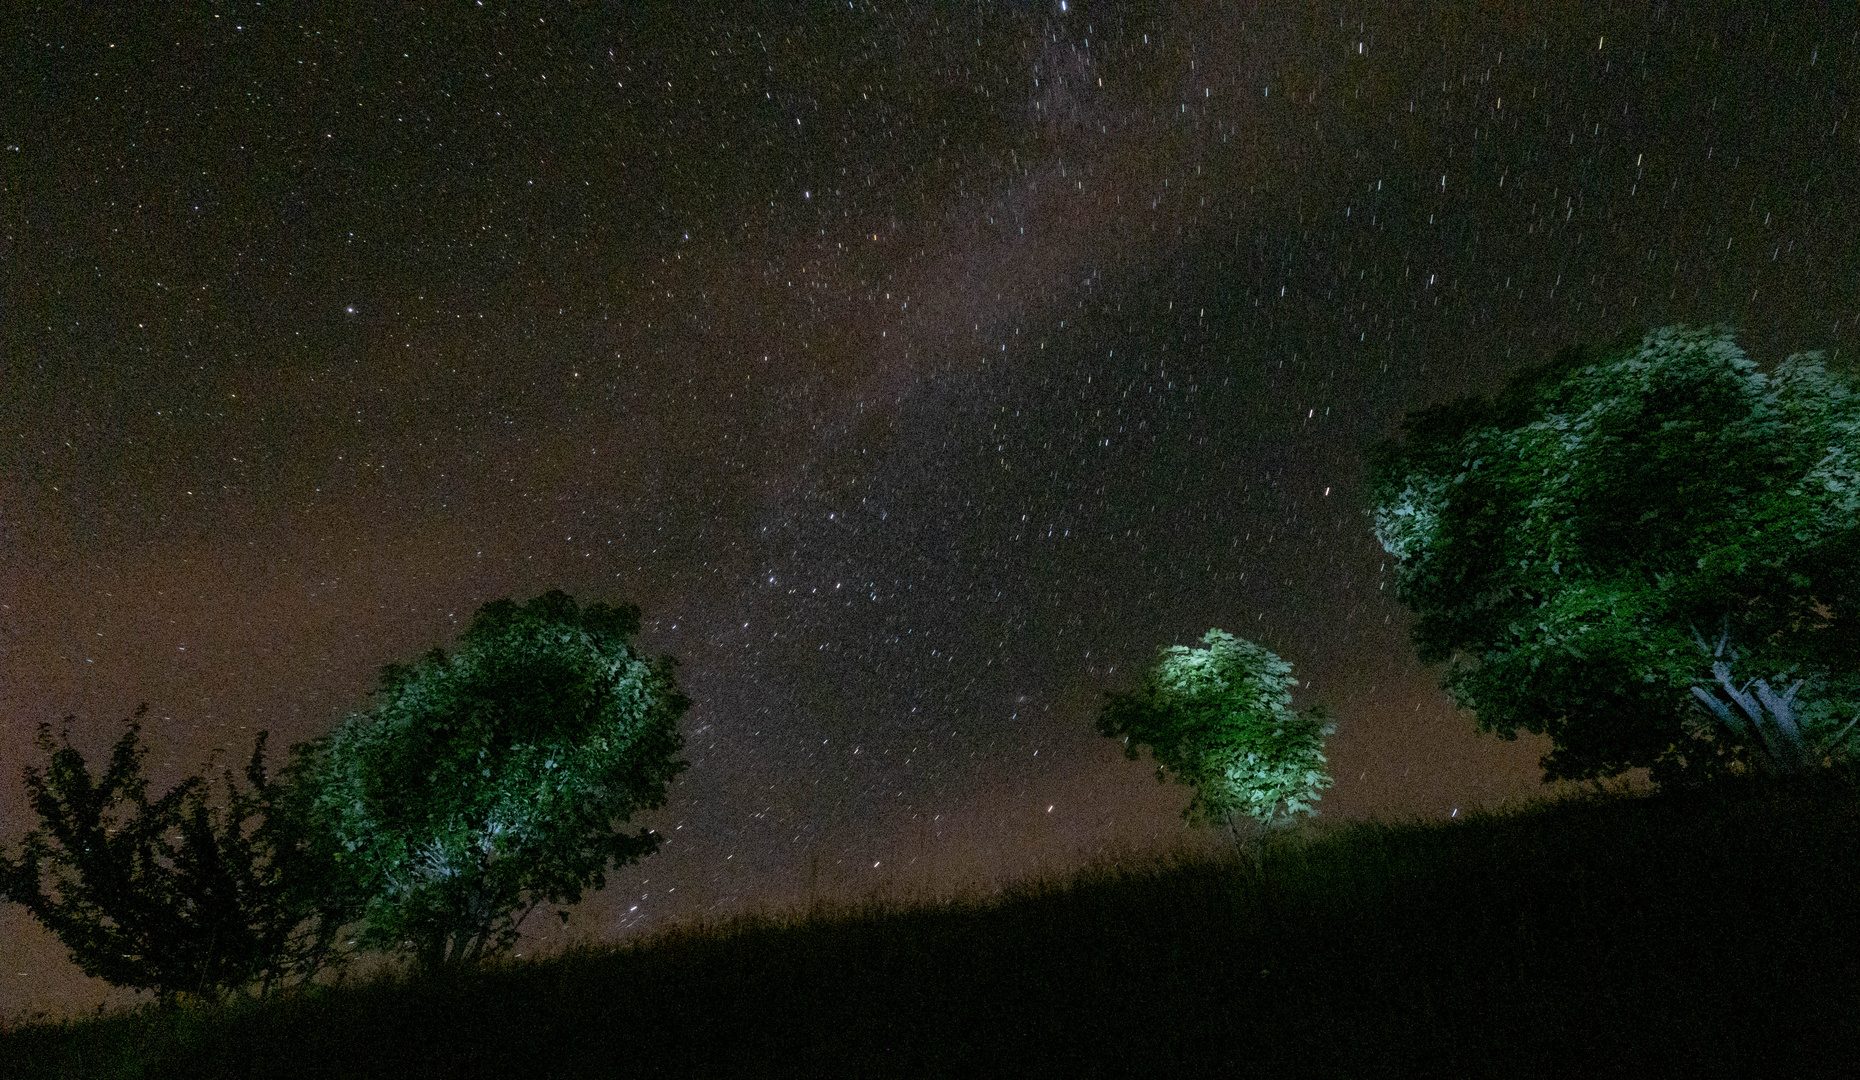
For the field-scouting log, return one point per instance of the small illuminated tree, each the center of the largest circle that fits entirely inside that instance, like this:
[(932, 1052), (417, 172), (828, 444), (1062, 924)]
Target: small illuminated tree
[(1219, 719), (485, 783)]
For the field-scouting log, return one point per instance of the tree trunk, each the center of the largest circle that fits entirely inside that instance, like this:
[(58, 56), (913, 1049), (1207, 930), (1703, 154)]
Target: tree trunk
[(1769, 714)]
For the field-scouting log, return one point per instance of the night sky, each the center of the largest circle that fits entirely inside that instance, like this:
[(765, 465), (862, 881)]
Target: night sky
[(918, 369)]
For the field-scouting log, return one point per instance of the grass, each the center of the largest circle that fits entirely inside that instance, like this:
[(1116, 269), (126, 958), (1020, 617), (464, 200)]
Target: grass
[(1707, 933)]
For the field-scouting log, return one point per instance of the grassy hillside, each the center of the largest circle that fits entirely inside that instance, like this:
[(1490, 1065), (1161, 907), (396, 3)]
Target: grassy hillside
[(1716, 933)]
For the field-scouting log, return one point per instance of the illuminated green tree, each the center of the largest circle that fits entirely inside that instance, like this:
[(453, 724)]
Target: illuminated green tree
[(1651, 556), (180, 895), (1219, 719), (485, 783)]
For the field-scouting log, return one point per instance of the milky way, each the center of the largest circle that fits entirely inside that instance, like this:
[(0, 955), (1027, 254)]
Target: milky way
[(918, 371)]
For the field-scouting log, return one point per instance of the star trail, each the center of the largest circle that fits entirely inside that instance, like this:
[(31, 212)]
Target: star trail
[(918, 369)]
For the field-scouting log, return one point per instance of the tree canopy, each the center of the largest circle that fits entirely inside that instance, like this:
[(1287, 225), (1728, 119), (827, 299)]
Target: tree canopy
[(1650, 555), (178, 895), (1219, 719), (483, 783)]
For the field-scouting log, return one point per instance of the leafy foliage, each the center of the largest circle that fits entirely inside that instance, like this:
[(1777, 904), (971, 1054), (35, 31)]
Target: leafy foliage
[(1219, 718), (1569, 547), (484, 783), (177, 895)]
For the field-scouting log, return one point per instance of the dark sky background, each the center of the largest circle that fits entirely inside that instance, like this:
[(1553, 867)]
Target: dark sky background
[(918, 368)]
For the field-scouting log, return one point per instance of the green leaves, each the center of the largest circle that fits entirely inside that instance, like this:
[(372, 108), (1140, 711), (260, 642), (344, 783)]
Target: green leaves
[(1219, 719), (478, 786), (1615, 502), (486, 782)]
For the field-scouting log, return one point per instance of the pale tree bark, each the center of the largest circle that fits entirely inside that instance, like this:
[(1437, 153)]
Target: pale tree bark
[(1756, 706)]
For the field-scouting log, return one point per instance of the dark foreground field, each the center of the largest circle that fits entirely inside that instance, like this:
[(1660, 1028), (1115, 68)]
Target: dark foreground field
[(1711, 934)]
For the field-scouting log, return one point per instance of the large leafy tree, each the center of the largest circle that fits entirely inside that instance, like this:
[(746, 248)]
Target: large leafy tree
[(484, 783), (1219, 719), (179, 895), (1651, 555)]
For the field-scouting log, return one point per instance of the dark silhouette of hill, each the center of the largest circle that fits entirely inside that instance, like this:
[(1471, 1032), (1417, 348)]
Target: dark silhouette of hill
[(1712, 932)]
